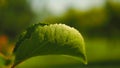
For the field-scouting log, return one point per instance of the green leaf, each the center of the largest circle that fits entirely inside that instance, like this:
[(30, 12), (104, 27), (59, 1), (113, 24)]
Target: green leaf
[(2, 62), (53, 39)]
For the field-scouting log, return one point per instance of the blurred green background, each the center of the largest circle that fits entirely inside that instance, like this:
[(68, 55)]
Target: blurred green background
[(97, 20)]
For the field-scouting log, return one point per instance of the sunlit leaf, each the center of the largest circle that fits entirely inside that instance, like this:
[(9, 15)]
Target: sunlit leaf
[(53, 39)]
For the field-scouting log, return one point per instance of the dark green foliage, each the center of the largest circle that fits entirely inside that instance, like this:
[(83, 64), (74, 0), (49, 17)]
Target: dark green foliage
[(15, 16)]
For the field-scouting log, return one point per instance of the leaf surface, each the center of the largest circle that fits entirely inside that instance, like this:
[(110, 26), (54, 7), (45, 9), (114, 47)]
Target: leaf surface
[(52, 39)]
